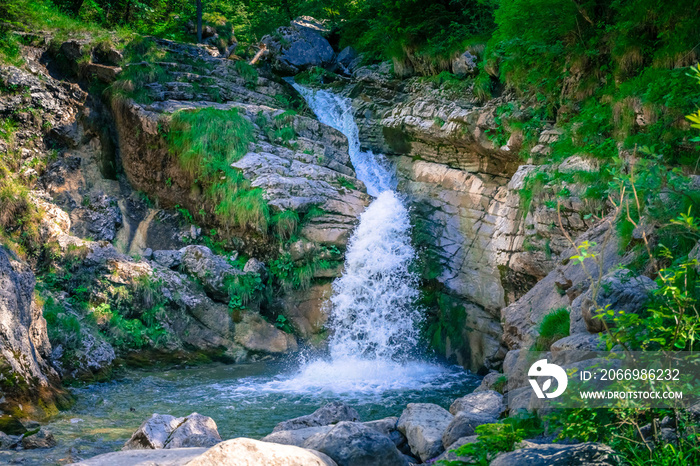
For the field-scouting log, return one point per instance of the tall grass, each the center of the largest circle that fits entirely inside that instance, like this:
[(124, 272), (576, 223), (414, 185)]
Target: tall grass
[(207, 141)]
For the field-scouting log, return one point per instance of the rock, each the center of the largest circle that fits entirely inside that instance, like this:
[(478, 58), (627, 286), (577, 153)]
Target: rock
[(256, 334), (295, 437), (255, 266), (464, 64), (168, 259), (464, 424), (576, 163), (42, 439), (331, 413), (354, 444), (298, 47), (106, 74), (174, 457), (25, 344), (521, 319), (448, 455), (153, 433), (165, 431), (248, 452), (348, 60), (493, 381), (194, 430), (305, 309), (588, 454), (99, 218), (423, 425), (211, 270), (484, 403), (388, 427), (576, 348), (621, 289)]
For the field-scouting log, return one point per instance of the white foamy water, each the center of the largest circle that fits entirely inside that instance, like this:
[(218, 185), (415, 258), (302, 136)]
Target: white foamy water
[(374, 319), (336, 111)]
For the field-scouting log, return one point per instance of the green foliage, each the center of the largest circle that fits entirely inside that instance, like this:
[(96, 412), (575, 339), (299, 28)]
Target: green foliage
[(285, 224), (207, 141), (247, 72), (434, 31), (448, 325), (554, 326), (244, 289)]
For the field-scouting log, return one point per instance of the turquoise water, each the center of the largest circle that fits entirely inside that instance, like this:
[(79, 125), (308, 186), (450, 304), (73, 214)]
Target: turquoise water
[(245, 400)]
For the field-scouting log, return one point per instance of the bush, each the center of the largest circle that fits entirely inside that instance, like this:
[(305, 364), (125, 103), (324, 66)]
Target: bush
[(554, 326)]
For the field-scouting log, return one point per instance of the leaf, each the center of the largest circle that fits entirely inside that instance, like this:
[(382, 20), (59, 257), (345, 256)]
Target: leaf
[(546, 385)]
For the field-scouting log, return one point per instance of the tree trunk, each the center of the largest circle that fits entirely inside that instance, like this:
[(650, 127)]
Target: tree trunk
[(199, 20)]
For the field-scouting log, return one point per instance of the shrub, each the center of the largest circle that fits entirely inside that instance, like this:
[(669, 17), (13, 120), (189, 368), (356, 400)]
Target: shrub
[(554, 326)]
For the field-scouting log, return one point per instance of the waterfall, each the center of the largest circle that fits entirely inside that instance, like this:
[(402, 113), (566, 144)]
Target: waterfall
[(372, 309), (374, 319)]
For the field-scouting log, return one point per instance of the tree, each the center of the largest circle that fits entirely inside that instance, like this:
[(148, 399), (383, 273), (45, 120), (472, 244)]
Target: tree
[(199, 20)]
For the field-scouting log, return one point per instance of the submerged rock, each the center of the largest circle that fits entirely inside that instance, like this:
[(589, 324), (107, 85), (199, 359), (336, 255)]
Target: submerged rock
[(245, 451), (331, 413), (42, 439), (354, 444), (423, 425)]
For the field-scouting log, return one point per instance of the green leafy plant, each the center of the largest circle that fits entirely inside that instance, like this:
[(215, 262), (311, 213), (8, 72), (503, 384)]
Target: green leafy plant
[(554, 326)]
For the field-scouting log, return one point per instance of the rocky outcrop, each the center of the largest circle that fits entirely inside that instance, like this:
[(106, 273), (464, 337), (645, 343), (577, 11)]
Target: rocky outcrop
[(174, 457), (26, 378), (163, 431), (310, 170)]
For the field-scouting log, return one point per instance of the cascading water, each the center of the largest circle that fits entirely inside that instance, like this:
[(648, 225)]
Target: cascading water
[(373, 316), (373, 312)]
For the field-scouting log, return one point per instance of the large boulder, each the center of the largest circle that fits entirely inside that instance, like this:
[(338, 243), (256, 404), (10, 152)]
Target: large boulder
[(587, 454), (464, 424), (354, 444), (249, 452), (174, 457), (299, 46), (163, 431), (621, 290), (258, 335), (211, 270), (423, 425), (486, 403), (331, 413), (389, 427)]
